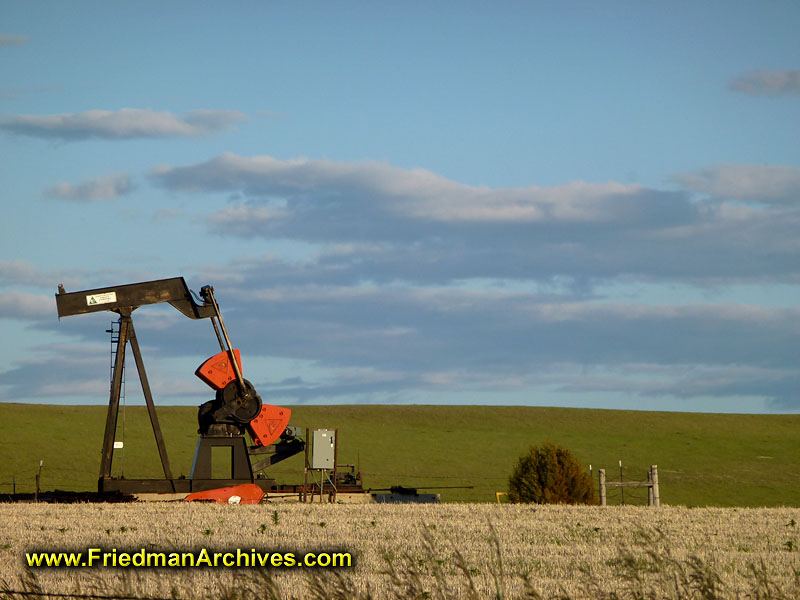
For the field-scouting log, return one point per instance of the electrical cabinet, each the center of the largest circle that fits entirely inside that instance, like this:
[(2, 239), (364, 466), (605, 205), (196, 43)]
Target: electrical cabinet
[(323, 449)]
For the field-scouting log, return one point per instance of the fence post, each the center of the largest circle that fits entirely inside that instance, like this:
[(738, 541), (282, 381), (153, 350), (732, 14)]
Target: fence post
[(38, 477), (650, 487), (654, 480), (602, 487)]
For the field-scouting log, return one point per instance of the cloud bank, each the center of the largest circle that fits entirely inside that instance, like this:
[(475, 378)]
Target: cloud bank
[(763, 82), (409, 342), (415, 194), (420, 287), (126, 123), (756, 183), (377, 222), (102, 188), (12, 40)]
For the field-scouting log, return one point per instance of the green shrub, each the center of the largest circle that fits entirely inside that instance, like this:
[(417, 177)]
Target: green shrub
[(550, 475)]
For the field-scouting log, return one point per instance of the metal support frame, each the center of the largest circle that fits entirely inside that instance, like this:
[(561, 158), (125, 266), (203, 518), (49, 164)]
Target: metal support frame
[(240, 469), (127, 335), (275, 453)]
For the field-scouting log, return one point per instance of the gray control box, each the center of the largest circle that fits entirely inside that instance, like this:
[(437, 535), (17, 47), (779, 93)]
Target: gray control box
[(324, 449)]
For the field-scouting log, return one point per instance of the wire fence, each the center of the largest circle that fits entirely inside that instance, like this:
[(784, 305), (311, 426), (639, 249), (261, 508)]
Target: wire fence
[(40, 594), (628, 492), (631, 496), (59, 476), (27, 484)]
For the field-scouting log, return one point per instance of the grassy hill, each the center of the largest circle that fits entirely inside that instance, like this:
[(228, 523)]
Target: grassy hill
[(703, 459)]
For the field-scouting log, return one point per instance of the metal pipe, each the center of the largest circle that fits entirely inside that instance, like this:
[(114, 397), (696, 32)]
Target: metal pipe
[(216, 330), (240, 379)]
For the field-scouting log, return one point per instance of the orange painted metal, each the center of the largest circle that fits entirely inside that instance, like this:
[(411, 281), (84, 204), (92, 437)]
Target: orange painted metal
[(248, 493), (218, 370), (269, 424)]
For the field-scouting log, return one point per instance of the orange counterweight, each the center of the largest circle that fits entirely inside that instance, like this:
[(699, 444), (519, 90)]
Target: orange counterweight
[(268, 426), (270, 422), (218, 370)]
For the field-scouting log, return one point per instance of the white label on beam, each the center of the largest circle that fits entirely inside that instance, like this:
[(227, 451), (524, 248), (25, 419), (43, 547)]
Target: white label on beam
[(118, 445), (106, 298)]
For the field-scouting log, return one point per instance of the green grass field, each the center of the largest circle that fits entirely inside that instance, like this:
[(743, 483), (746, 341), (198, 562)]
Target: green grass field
[(703, 459)]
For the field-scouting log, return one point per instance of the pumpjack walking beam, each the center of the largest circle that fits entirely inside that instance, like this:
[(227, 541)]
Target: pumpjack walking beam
[(126, 298), (123, 300)]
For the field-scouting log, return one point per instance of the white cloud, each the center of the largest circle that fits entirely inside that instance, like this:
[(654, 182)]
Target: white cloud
[(400, 296), (126, 123), (12, 40), (625, 311), (21, 305), (414, 225), (493, 330), (409, 193), (17, 272), (60, 371), (760, 183), (764, 82), (688, 381), (491, 339), (102, 188), (379, 341)]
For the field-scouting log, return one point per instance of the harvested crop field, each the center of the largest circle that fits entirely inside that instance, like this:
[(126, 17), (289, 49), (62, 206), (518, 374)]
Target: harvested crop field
[(425, 551)]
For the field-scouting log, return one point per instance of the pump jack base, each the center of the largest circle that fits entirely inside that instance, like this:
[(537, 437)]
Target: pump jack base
[(176, 486)]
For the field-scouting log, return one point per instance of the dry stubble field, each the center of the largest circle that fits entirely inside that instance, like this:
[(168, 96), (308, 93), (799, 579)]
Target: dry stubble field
[(424, 551)]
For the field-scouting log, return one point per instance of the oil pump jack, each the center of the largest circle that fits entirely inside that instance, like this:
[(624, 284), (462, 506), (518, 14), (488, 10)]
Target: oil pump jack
[(235, 410)]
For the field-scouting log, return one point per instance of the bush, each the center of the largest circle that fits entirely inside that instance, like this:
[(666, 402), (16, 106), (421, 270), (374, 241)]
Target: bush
[(550, 475)]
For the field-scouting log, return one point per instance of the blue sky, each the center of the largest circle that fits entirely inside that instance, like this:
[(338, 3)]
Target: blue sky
[(571, 204)]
